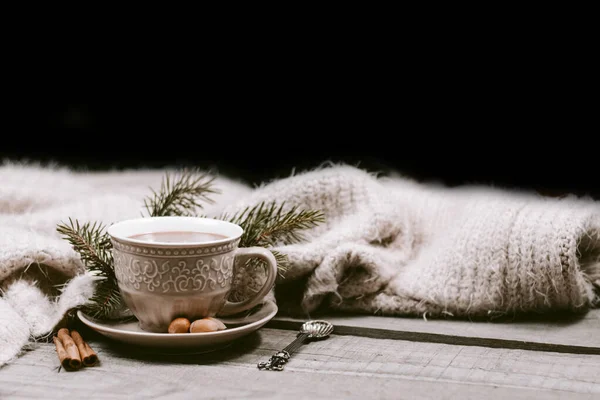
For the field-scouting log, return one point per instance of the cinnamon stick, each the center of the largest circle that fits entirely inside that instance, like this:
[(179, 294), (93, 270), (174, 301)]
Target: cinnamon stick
[(92, 357), (70, 347), (88, 356), (63, 357)]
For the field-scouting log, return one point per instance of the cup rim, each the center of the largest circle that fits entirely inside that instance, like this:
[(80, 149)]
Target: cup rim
[(115, 231)]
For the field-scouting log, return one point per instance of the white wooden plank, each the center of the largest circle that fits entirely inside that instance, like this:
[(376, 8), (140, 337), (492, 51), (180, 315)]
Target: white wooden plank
[(571, 334), (338, 367)]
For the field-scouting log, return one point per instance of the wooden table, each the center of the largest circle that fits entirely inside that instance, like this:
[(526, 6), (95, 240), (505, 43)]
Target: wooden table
[(366, 358)]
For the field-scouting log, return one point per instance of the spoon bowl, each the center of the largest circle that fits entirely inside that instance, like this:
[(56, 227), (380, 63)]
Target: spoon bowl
[(317, 329)]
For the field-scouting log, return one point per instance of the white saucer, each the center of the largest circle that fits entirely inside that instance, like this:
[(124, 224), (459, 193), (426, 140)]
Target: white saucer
[(130, 332)]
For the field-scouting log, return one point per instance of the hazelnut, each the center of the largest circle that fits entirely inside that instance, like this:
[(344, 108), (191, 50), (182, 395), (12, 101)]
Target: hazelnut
[(179, 325), (204, 325)]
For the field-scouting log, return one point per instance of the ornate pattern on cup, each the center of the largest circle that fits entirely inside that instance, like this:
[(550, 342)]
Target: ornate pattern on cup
[(175, 270)]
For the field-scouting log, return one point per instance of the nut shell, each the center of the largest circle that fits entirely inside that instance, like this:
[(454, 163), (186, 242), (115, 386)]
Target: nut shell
[(204, 325), (179, 325)]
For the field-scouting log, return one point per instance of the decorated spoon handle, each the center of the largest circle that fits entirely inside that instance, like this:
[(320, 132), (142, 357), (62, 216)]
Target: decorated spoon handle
[(279, 359)]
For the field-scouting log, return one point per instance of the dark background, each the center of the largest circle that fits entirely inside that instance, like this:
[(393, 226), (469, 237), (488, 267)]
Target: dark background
[(510, 129)]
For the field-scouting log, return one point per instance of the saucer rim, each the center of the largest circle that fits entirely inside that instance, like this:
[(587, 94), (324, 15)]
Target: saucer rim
[(87, 320)]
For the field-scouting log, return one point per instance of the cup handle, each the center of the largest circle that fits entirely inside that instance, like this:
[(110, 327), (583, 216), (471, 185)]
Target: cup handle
[(241, 255)]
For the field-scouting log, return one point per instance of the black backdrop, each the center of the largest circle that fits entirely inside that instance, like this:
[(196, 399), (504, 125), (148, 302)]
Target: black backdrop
[(426, 132)]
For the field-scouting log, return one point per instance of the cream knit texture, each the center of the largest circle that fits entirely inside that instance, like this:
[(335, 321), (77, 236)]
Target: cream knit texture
[(389, 246)]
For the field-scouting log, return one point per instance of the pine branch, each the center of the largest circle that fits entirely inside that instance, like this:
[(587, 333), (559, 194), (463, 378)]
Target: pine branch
[(269, 225), (181, 195), (282, 260), (92, 244), (94, 248)]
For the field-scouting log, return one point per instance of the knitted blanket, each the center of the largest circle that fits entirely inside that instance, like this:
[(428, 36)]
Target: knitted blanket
[(389, 246)]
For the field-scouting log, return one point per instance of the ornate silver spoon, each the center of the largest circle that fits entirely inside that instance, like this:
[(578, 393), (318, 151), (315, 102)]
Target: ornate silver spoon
[(310, 330)]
